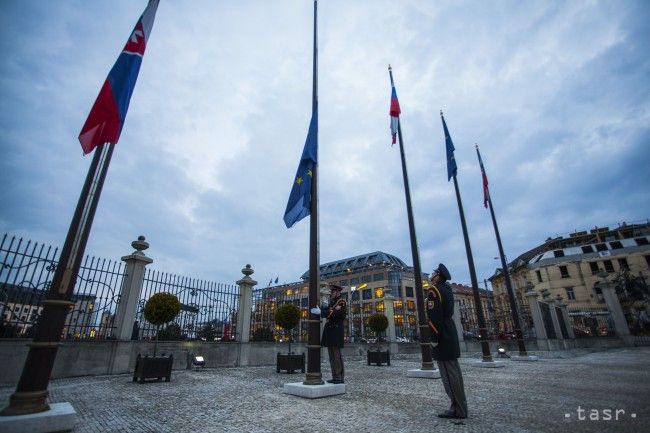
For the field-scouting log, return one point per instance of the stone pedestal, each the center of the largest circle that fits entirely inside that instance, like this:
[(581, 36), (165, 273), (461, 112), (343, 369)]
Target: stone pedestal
[(314, 391), (538, 322), (246, 285), (614, 307), (424, 374), (131, 288), (61, 417)]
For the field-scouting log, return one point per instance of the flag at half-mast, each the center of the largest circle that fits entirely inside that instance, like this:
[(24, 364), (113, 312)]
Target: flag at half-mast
[(394, 110), (106, 119), (486, 191)]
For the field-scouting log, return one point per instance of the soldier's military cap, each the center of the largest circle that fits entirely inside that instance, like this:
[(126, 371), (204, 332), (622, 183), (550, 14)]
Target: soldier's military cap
[(443, 272)]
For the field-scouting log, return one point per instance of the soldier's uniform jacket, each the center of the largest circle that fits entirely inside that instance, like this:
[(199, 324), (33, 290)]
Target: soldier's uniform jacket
[(440, 310), (333, 334)]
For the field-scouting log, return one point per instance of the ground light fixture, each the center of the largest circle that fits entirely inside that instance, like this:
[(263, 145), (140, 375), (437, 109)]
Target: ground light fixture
[(198, 361), (502, 353)]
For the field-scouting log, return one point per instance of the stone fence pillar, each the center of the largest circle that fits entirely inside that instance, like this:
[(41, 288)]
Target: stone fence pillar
[(246, 285), (536, 313), (457, 321), (389, 311), (130, 291), (614, 307), (567, 319)]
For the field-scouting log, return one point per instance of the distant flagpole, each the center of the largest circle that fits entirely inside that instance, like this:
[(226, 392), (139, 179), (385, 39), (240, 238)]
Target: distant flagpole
[(504, 265), (425, 333), (452, 170), (100, 133)]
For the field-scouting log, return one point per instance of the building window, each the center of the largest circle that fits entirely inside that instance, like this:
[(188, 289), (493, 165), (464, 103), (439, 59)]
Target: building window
[(622, 263), (594, 268), (539, 276), (410, 305), (379, 307), (616, 245), (409, 292), (355, 295), (601, 247), (398, 305), (366, 294), (570, 295), (379, 292), (564, 272), (587, 249), (558, 253), (343, 282), (366, 278), (367, 307), (641, 241), (304, 302), (608, 266), (399, 291), (411, 320), (355, 309), (378, 277), (399, 320), (354, 281)]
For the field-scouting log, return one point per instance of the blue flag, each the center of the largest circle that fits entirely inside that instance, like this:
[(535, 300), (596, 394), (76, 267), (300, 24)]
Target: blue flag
[(451, 161), (299, 205)]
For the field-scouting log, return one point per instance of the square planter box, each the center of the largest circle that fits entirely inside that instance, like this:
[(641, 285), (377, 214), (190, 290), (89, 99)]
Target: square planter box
[(378, 357), (149, 367), (289, 363)]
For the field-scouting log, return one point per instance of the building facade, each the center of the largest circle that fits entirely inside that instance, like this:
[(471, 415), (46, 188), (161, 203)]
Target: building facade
[(573, 268)]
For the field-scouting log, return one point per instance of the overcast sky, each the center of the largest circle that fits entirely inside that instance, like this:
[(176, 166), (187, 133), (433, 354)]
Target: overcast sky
[(556, 94)]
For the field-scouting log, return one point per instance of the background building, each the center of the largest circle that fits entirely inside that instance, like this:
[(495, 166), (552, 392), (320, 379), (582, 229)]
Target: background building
[(573, 268)]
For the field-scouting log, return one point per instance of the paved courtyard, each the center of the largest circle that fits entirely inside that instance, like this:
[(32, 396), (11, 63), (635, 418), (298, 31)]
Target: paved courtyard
[(522, 397)]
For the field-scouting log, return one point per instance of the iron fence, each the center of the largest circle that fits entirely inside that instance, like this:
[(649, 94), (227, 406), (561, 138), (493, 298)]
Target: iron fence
[(356, 328), (209, 309), (592, 322), (499, 322), (26, 272)]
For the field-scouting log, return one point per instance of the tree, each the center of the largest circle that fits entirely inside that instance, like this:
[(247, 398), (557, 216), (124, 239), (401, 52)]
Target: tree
[(207, 332), (288, 317), (378, 323), (161, 308)]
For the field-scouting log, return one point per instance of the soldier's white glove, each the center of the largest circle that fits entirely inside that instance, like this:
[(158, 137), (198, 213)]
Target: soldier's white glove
[(315, 310), (434, 344)]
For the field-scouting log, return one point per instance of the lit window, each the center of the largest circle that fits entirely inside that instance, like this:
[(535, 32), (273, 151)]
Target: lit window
[(410, 305), (379, 307), (379, 292)]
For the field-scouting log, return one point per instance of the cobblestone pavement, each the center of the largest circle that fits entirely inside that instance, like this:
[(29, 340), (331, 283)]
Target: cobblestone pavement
[(522, 397)]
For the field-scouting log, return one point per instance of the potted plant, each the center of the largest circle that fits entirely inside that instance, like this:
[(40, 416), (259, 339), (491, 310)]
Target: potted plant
[(378, 323), (288, 317), (161, 308)]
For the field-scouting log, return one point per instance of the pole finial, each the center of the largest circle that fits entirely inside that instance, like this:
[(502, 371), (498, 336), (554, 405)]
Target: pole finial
[(389, 68), (440, 112), (476, 146)]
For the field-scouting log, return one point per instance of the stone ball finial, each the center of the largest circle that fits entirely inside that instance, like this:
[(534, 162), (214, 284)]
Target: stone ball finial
[(140, 244), (247, 270)]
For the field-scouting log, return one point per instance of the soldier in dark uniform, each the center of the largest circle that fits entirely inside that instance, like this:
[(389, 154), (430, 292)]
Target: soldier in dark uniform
[(446, 350), (335, 313)]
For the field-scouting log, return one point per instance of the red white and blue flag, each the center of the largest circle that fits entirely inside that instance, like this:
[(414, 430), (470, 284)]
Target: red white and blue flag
[(106, 119), (486, 191), (394, 110)]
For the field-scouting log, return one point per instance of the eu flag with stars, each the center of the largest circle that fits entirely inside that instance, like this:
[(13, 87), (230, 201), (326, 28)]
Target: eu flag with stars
[(299, 205), (451, 161)]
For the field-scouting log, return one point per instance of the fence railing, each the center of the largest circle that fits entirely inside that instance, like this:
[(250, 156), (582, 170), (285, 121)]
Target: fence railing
[(26, 272), (499, 322), (208, 309), (594, 322)]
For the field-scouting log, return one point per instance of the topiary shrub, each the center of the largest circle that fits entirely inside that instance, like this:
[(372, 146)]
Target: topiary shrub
[(287, 317), (378, 323), (161, 308)]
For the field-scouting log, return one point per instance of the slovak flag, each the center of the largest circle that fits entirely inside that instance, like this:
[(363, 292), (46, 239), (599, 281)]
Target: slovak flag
[(394, 110), (486, 191), (106, 119)]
